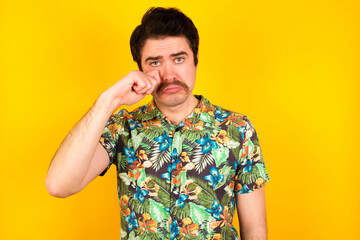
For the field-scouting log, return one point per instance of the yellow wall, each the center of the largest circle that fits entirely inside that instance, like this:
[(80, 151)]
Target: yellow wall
[(291, 66)]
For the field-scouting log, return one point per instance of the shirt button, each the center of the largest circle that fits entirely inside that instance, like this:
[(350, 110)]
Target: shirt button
[(178, 129)]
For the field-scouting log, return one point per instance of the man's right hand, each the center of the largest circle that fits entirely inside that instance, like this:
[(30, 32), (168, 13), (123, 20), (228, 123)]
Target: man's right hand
[(133, 87), (80, 157)]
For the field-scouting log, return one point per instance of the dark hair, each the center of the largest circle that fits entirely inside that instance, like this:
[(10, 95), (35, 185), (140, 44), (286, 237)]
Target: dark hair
[(162, 22)]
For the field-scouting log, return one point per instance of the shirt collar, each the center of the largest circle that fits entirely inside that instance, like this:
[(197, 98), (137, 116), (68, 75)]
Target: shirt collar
[(204, 111)]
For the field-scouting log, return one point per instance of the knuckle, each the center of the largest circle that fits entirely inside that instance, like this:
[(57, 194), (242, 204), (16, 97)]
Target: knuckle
[(134, 74)]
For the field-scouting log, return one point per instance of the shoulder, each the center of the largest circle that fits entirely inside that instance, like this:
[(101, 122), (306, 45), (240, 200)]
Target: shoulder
[(230, 118), (141, 109), (126, 114), (124, 120), (118, 116)]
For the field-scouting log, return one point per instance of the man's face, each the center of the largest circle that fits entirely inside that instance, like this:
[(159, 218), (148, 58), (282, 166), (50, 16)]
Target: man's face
[(173, 58)]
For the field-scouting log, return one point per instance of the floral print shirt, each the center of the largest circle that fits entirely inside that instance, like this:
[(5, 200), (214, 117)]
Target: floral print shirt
[(179, 182)]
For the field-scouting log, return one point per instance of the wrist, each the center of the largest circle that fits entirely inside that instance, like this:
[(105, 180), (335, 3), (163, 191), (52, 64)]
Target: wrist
[(107, 103)]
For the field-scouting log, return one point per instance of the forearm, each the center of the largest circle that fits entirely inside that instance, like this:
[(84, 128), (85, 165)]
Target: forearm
[(258, 233), (252, 215), (72, 160)]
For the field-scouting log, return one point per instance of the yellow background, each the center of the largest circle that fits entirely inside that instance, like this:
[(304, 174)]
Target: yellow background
[(291, 66)]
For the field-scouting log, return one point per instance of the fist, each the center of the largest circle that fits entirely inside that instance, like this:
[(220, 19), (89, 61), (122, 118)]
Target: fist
[(133, 87)]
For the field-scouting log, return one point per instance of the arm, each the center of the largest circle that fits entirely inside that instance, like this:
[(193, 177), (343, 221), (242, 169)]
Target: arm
[(252, 215), (80, 157)]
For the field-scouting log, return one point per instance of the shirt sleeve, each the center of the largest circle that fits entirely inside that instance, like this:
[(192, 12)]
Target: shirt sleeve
[(250, 172), (110, 136)]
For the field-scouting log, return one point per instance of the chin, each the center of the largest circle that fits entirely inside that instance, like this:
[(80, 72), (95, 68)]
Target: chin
[(171, 100)]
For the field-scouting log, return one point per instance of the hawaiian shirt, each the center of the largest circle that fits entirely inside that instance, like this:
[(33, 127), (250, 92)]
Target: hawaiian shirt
[(179, 182)]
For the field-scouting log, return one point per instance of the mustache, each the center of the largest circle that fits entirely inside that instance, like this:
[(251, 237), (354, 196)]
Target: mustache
[(163, 85)]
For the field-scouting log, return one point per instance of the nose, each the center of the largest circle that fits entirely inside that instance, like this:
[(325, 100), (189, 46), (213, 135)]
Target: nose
[(167, 72)]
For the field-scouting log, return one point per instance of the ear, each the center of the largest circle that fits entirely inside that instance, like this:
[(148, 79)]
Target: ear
[(197, 57)]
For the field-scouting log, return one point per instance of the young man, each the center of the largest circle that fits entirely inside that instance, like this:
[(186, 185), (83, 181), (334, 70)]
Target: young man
[(182, 162)]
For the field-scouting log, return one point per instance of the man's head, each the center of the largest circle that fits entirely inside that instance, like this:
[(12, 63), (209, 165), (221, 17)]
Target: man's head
[(159, 23), (166, 44)]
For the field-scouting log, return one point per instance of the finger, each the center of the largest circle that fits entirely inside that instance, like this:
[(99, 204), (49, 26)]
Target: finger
[(140, 83), (139, 89), (154, 77), (150, 85), (155, 74), (154, 84)]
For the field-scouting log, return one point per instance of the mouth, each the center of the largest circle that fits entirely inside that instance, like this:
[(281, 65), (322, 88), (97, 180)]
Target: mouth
[(171, 87)]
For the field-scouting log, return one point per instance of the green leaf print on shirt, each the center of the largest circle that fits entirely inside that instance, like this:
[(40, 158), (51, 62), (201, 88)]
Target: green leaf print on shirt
[(142, 176), (224, 171), (132, 236), (198, 213), (137, 140), (157, 211), (220, 154)]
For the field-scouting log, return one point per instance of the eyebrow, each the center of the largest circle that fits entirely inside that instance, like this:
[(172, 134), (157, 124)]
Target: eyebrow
[(178, 54), (159, 57), (152, 58)]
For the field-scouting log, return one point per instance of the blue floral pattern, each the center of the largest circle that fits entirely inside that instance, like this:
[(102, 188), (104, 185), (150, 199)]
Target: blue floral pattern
[(214, 178)]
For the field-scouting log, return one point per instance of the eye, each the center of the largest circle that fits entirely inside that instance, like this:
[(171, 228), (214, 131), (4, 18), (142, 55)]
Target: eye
[(155, 63), (179, 59)]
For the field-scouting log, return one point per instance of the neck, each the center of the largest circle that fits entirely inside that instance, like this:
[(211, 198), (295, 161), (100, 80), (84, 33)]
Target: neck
[(176, 114)]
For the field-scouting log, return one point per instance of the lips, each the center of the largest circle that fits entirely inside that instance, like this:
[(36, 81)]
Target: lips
[(173, 88)]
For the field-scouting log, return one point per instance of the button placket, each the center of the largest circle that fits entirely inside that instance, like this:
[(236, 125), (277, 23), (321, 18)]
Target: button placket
[(176, 145)]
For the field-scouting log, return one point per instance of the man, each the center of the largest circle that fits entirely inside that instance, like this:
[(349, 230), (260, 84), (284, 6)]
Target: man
[(182, 163)]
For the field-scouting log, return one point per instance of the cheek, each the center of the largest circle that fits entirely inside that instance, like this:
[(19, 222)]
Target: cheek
[(145, 68), (190, 78)]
